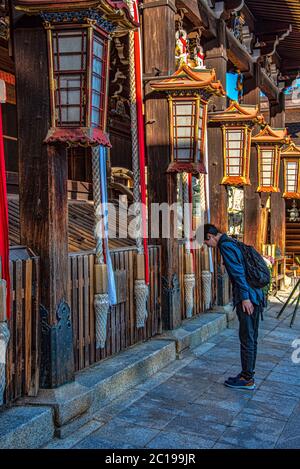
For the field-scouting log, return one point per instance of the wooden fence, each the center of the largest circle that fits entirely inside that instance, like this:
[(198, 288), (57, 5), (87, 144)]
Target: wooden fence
[(121, 329), (22, 362)]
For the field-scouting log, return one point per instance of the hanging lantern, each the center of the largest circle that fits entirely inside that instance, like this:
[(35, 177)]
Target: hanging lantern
[(268, 142), (188, 93), (236, 123), (291, 167), (78, 51)]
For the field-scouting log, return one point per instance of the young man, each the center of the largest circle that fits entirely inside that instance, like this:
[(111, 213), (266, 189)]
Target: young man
[(249, 303)]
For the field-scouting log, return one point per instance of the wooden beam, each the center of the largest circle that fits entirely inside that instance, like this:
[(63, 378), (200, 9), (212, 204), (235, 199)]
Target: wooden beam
[(277, 232), (252, 198), (267, 86), (237, 54), (199, 13), (159, 22), (43, 203)]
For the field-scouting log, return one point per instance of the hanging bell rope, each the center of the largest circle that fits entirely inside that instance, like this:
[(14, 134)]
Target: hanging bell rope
[(140, 287), (206, 276), (101, 298), (189, 276), (4, 335)]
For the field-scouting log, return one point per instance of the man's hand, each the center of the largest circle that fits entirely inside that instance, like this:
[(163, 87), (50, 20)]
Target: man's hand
[(248, 307)]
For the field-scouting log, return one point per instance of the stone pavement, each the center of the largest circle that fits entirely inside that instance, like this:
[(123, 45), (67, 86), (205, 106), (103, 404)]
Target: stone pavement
[(187, 406)]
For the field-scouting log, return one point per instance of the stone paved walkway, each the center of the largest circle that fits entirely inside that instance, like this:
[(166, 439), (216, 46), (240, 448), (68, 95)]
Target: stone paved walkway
[(187, 406)]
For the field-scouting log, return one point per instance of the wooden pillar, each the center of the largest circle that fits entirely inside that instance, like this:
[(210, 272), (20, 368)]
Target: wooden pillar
[(43, 203), (159, 23), (252, 220), (277, 120), (216, 57)]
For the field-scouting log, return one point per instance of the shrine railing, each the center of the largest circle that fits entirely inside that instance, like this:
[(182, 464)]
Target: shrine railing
[(23, 351), (121, 328)]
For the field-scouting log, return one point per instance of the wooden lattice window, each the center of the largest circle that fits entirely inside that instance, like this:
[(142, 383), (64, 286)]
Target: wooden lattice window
[(98, 81), (79, 71), (234, 151), (267, 161), (70, 66), (188, 130), (184, 124), (292, 170)]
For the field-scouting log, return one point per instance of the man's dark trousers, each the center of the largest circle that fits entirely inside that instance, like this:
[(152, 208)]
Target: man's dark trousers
[(248, 333)]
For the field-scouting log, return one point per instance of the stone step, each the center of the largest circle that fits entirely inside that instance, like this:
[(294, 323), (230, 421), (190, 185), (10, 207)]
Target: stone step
[(195, 331), (75, 403), (26, 427)]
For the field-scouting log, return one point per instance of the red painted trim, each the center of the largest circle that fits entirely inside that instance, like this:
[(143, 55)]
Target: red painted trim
[(4, 240)]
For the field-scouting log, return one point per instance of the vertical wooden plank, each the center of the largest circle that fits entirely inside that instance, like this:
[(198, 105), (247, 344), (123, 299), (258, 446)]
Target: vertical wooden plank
[(74, 308), (123, 306), (110, 322), (36, 331), (91, 310), (117, 331), (28, 323), (131, 298), (80, 312), (153, 291), (86, 310), (19, 329), (69, 290), (126, 308), (9, 353)]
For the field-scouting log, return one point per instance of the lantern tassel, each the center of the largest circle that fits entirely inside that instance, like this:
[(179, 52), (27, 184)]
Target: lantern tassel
[(141, 289), (101, 298), (206, 285), (101, 305), (189, 285)]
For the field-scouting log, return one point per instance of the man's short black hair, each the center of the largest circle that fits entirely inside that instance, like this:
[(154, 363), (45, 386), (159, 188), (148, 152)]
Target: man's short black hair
[(210, 229)]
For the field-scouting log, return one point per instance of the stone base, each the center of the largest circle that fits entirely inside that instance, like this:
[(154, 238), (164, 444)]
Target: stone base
[(194, 332), (75, 403), (26, 427)]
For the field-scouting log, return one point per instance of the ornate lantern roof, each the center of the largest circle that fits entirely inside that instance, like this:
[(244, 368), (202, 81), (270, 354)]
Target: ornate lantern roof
[(187, 79), (291, 162), (78, 38), (188, 91), (237, 113), (236, 123), (269, 135), (268, 142), (116, 12)]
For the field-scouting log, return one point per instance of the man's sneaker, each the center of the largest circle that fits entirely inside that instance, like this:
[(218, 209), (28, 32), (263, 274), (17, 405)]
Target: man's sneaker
[(234, 378), (241, 383)]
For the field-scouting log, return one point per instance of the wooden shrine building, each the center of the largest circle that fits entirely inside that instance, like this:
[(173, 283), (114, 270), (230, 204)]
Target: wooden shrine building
[(120, 102)]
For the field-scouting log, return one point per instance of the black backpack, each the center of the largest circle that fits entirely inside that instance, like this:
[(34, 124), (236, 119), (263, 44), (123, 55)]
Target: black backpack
[(257, 272)]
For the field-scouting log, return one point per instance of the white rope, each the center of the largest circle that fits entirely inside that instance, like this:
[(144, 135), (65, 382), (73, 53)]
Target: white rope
[(141, 290), (98, 230), (189, 285), (135, 144), (101, 304), (206, 288), (101, 300), (187, 218), (4, 339)]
